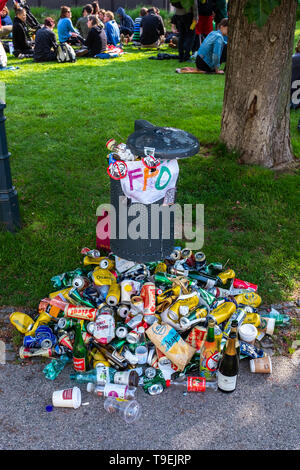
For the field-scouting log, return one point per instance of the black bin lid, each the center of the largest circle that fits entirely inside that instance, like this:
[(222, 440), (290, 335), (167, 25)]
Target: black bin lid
[(169, 142)]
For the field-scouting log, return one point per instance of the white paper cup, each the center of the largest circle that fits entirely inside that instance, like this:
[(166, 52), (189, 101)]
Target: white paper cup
[(68, 398), (261, 365), (248, 333), (141, 354)]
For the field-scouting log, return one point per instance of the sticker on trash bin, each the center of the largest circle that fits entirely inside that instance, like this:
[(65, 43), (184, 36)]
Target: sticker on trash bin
[(117, 170), (146, 186)]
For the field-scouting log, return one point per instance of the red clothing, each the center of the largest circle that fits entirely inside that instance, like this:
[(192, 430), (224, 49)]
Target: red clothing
[(2, 5), (204, 25)]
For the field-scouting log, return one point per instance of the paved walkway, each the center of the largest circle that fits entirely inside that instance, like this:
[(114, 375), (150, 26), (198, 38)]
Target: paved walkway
[(262, 414)]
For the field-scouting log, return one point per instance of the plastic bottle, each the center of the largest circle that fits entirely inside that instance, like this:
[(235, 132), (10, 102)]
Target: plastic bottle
[(193, 384), (280, 319), (112, 390)]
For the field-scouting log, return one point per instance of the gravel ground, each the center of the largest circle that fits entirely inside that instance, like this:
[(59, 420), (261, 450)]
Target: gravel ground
[(262, 414)]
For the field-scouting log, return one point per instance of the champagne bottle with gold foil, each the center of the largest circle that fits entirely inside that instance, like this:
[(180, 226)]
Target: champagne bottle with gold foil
[(229, 366)]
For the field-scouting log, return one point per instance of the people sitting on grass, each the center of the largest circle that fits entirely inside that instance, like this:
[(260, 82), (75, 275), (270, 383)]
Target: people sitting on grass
[(81, 24), (111, 28), (65, 29), (23, 46), (96, 41), (212, 52), (152, 29), (126, 25), (136, 38), (6, 24), (172, 36), (45, 42)]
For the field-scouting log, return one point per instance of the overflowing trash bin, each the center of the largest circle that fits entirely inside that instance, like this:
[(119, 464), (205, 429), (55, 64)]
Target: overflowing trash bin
[(146, 314), (144, 173)]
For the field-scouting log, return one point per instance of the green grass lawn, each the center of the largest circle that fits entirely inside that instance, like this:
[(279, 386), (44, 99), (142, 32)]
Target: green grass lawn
[(59, 117)]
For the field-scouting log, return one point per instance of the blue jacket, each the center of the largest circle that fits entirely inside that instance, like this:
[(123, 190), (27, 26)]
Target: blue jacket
[(112, 32), (211, 49), (64, 29), (126, 20)]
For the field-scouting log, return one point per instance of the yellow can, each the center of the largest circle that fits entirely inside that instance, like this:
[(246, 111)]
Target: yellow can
[(249, 298), (61, 292), (225, 275), (103, 277), (99, 358), (223, 312), (43, 319), (113, 295), (253, 319), (22, 322), (160, 268), (190, 300)]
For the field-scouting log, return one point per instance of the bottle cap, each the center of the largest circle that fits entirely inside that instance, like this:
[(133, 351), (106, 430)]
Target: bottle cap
[(168, 383)]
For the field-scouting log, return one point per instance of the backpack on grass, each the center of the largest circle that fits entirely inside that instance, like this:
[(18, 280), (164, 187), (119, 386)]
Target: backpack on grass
[(65, 53)]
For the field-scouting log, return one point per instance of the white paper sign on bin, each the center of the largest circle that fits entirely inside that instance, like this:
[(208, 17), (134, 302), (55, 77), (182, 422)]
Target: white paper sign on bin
[(145, 186)]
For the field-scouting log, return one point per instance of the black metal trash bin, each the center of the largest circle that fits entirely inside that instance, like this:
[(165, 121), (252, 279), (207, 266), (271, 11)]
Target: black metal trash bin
[(169, 144)]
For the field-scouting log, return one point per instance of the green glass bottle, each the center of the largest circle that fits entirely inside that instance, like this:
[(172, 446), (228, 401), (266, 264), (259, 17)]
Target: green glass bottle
[(80, 352)]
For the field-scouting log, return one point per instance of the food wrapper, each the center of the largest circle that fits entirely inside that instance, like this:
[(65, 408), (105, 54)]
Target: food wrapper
[(196, 337), (170, 343)]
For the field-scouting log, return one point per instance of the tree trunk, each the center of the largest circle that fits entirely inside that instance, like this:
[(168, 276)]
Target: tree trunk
[(256, 111)]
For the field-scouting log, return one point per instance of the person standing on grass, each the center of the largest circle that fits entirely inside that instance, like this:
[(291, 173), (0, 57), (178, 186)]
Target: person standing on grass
[(81, 24), (152, 29), (65, 29), (111, 29), (186, 20), (45, 42), (211, 53), (23, 46)]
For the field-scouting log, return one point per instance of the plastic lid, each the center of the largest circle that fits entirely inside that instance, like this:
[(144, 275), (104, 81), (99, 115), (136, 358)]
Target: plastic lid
[(247, 332), (49, 408)]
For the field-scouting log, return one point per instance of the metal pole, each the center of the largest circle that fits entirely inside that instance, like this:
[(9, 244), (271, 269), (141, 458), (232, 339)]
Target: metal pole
[(9, 206)]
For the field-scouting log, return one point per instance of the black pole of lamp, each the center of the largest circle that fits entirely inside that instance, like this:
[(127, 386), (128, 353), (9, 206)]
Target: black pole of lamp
[(9, 205)]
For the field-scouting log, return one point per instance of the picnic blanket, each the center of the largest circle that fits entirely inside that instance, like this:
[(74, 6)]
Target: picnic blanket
[(110, 53)]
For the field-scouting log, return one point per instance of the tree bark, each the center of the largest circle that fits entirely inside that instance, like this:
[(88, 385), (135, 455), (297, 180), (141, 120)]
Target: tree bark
[(256, 110)]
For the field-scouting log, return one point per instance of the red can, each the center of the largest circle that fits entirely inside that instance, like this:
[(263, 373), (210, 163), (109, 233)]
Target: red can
[(82, 313), (238, 284), (148, 295)]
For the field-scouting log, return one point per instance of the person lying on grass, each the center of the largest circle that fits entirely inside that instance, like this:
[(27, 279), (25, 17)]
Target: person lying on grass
[(211, 53)]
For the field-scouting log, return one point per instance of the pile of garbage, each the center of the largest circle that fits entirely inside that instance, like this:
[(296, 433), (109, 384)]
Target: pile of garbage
[(122, 325)]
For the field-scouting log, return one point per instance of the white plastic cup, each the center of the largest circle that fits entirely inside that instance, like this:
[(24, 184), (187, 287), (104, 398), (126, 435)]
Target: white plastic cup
[(129, 410), (67, 398), (141, 354), (248, 333)]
